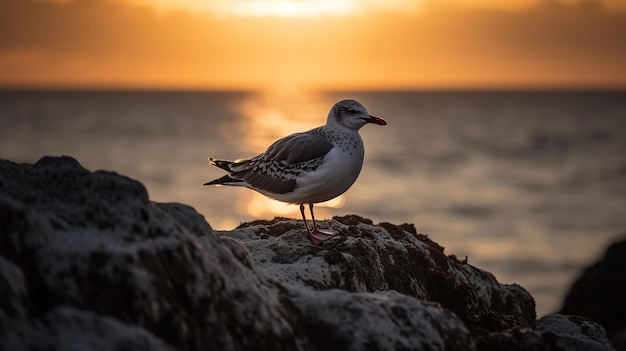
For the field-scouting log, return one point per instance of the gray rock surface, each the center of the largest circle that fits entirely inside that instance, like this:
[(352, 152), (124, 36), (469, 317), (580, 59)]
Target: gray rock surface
[(69, 329), (94, 242), (87, 261), (364, 257), (552, 332)]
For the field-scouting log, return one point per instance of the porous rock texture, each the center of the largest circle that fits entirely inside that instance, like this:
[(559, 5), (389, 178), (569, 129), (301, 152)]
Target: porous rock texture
[(87, 261)]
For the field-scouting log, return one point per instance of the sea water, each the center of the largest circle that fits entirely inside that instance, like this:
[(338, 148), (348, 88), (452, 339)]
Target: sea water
[(530, 186)]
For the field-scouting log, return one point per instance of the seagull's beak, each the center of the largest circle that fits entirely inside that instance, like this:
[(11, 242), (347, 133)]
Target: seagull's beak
[(375, 120)]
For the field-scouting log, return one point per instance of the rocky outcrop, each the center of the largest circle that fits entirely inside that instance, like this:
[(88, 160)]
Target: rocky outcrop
[(600, 294), (87, 261), (94, 242), (364, 257)]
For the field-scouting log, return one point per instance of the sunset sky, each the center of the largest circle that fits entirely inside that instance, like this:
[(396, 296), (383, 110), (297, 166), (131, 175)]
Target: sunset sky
[(324, 44)]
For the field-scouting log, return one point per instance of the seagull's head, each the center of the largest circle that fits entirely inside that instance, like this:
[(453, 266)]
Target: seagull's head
[(351, 114)]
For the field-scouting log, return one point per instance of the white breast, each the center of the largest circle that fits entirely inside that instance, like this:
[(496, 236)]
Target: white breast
[(339, 170)]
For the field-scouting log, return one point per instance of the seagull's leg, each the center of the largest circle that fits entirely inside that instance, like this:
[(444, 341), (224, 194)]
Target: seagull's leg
[(319, 235), (316, 236), (306, 225), (313, 218), (308, 231)]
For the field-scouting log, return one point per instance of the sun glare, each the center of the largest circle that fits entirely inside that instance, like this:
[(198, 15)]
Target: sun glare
[(260, 206), (262, 8), (264, 118), (285, 8)]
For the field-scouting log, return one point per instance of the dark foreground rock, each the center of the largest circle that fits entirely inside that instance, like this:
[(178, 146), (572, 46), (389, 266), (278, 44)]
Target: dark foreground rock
[(600, 294), (87, 261)]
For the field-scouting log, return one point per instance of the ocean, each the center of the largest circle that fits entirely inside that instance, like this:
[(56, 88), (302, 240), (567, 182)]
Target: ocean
[(530, 186)]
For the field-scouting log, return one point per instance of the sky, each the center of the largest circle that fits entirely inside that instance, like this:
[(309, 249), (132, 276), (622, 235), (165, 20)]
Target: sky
[(313, 44)]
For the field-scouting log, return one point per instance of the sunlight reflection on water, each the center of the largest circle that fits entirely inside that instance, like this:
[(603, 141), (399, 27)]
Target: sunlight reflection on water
[(264, 118), (529, 186)]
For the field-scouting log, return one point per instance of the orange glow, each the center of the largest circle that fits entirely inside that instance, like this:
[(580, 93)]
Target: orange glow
[(259, 206), (293, 8), (320, 44), (281, 8)]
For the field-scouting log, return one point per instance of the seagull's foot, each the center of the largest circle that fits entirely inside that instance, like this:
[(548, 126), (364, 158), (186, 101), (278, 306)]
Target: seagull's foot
[(317, 236)]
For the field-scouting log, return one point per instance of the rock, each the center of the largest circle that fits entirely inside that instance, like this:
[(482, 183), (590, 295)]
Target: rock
[(87, 261), (366, 258), (552, 332), (94, 242), (600, 294), (66, 328), (340, 320)]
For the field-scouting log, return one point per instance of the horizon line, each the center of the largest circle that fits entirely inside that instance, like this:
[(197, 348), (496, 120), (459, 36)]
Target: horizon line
[(399, 89)]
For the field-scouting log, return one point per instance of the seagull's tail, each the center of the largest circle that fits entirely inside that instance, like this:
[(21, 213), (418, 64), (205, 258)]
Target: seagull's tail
[(226, 180), (223, 164)]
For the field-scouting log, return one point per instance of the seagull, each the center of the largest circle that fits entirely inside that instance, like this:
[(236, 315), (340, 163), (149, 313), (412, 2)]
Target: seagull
[(308, 167)]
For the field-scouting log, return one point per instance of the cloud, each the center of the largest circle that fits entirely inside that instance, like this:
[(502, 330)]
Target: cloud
[(105, 42)]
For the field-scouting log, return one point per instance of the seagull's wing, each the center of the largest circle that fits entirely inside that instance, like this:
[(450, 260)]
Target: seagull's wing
[(276, 169), (298, 147)]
